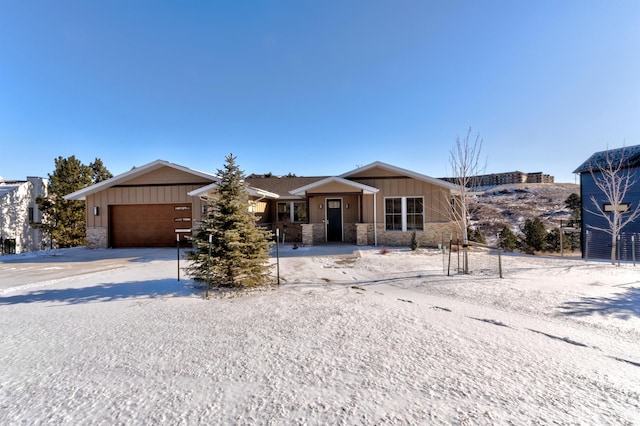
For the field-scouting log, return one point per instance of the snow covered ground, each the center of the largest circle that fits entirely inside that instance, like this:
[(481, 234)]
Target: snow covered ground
[(111, 337)]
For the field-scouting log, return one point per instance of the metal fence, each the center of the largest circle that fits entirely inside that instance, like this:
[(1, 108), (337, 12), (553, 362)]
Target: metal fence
[(481, 259)]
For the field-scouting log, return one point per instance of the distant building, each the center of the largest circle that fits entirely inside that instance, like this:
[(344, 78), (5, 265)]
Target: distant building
[(19, 213), (507, 178)]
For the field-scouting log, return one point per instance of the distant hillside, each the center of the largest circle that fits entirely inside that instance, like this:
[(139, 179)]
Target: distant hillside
[(513, 204)]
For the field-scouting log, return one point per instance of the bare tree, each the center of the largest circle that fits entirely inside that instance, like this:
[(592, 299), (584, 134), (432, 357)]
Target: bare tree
[(464, 160), (614, 180)]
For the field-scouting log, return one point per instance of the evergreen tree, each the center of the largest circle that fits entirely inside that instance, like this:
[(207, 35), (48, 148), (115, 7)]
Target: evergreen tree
[(553, 240), (507, 239), (239, 249), (476, 235), (574, 204), (65, 220), (534, 235), (99, 172)]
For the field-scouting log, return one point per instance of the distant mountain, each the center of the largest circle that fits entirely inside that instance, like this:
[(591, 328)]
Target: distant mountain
[(513, 204)]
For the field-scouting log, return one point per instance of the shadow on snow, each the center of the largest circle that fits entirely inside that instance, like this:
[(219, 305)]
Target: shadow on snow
[(104, 292), (622, 306)]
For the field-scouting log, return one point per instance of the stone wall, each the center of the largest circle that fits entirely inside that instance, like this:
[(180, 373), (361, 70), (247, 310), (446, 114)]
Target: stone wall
[(350, 233), (432, 235), (96, 237)]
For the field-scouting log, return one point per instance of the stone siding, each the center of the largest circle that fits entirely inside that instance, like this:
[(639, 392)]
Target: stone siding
[(362, 234), (432, 235), (350, 233), (307, 234), (96, 237)]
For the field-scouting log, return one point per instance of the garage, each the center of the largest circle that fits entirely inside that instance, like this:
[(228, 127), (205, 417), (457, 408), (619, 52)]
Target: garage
[(148, 225)]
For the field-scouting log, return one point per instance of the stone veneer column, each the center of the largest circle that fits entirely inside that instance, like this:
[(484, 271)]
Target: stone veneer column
[(362, 234), (307, 234), (96, 237)]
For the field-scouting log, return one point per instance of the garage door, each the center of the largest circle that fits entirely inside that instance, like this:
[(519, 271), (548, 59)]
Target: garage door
[(148, 225)]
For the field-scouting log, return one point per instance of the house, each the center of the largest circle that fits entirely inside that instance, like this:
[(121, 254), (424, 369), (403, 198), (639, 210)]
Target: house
[(155, 205), (19, 215), (597, 243), (371, 205)]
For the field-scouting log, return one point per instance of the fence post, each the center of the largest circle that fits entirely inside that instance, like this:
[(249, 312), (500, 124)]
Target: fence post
[(618, 249), (500, 262), (278, 254), (633, 249), (449, 266), (586, 245)]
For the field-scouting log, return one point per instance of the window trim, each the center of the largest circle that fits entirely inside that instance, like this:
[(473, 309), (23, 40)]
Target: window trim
[(291, 205), (403, 213)]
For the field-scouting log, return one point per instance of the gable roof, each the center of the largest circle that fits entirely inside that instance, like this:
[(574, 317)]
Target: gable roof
[(629, 155), (366, 189), (400, 171), (133, 173), (282, 185), (256, 192)]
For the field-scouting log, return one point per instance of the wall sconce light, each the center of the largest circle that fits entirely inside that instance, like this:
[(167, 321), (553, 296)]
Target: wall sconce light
[(346, 206), (320, 206), (96, 211)]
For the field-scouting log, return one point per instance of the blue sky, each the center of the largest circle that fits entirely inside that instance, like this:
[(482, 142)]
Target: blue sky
[(316, 87)]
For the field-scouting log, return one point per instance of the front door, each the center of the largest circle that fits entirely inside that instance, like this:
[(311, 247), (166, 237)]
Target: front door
[(334, 219)]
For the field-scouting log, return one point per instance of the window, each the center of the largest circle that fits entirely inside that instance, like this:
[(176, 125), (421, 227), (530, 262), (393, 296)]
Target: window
[(299, 212), (393, 214), (284, 212), (292, 212), (31, 215), (415, 217), (404, 214)]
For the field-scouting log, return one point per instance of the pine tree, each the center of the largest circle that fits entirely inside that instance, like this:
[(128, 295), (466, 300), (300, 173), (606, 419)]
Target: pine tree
[(574, 204), (476, 235), (507, 239), (239, 249), (535, 235), (99, 172), (65, 220), (553, 241)]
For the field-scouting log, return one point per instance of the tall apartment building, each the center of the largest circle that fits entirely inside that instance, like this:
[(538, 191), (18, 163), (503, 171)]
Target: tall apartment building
[(506, 178)]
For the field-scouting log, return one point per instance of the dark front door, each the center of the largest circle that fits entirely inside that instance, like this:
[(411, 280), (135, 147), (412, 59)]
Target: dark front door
[(334, 220)]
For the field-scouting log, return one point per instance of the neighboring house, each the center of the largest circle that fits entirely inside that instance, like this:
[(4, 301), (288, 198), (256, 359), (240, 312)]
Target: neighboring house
[(371, 205), (596, 243), (19, 214)]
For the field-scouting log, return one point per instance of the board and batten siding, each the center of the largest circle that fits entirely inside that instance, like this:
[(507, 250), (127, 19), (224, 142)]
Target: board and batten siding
[(139, 195), (167, 176), (436, 199)]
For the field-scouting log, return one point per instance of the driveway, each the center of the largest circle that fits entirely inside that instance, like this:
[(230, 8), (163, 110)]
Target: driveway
[(49, 266), (45, 267)]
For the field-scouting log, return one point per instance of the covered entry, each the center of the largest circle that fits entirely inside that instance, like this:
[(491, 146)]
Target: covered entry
[(148, 225), (339, 210)]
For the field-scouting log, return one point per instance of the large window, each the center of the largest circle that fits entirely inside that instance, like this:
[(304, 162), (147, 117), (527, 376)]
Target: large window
[(294, 212), (393, 214), (404, 214)]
